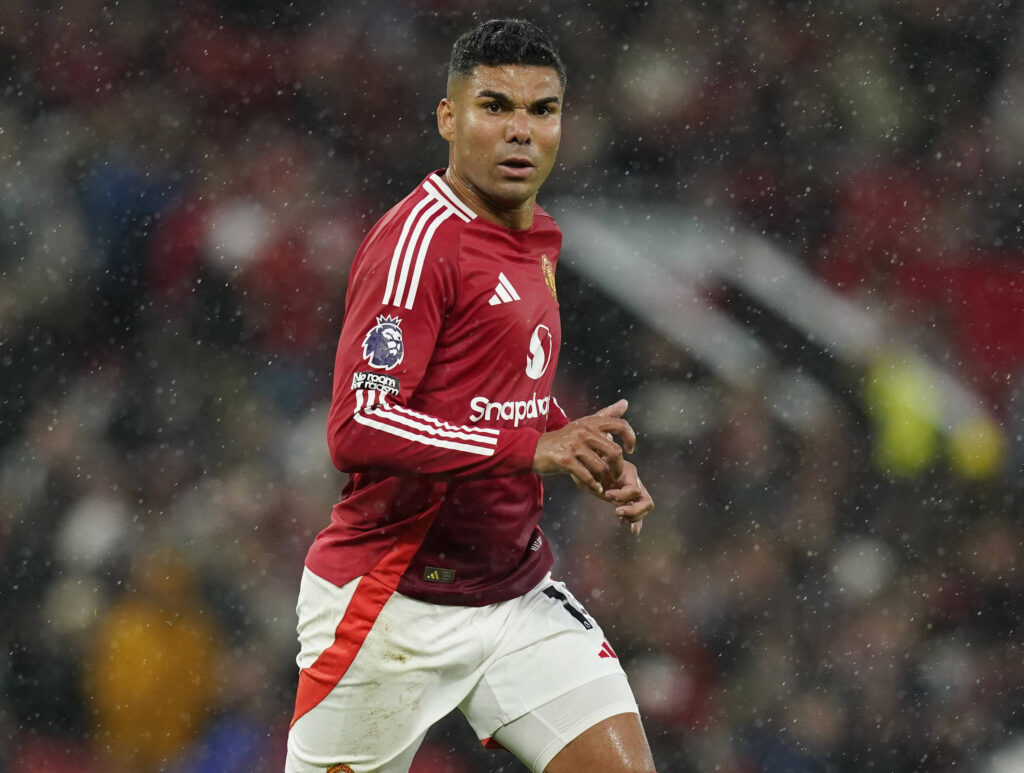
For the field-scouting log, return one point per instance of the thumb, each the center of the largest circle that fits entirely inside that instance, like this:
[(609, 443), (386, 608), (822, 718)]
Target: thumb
[(615, 410)]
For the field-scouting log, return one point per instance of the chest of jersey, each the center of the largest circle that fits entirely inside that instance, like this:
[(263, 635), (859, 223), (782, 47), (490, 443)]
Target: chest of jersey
[(498, 348)]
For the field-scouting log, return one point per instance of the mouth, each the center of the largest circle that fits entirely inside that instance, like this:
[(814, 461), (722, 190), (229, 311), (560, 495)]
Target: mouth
[(516, 167)]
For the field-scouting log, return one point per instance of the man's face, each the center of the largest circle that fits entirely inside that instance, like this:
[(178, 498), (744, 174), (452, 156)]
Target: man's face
[(503, 124)]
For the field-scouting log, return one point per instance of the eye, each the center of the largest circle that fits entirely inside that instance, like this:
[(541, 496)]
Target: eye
[(492, 107)]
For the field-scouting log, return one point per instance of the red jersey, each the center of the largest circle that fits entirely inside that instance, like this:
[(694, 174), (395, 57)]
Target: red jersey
[(442, 388)]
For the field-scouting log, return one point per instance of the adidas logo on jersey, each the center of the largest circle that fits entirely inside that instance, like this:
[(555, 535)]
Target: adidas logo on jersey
[(504, 292)]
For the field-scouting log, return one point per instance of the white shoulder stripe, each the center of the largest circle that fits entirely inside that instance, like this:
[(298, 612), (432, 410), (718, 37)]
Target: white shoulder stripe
[(438, 187), (410, 249), (415, 283), (434, 208), (399, 248)]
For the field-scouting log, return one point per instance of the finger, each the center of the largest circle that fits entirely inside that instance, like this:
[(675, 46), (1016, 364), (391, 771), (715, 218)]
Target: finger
[(609, 451), (602, 442), (639, 507), (611, 455), (588, 489), (596, 464), (622, 429), (635, 510), (634, 526), (582, 473), (628, 479), (615, 410), (624, 495)]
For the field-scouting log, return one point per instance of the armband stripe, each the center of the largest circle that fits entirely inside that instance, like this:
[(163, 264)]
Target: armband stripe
[(424, 439), (443, 424), (386, 412)]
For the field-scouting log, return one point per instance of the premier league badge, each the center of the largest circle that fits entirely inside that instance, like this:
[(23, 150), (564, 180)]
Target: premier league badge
[(382, 347)]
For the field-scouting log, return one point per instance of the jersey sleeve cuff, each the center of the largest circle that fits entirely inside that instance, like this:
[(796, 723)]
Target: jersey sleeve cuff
[(516, 449)]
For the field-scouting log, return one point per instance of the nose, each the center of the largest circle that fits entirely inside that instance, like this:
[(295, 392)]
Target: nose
[(518, 128)]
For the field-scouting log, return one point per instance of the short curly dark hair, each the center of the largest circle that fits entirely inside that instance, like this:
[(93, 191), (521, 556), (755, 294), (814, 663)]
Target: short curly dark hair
[(503, 41)]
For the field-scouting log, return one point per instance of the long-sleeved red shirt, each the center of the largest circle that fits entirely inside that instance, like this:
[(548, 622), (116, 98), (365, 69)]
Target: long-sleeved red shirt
[(442, 388)]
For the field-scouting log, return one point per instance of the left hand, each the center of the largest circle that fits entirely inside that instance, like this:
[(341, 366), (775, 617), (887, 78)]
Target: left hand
[(632, 500)]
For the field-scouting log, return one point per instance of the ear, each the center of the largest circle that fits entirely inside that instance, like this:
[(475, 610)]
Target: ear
[(446, 119)]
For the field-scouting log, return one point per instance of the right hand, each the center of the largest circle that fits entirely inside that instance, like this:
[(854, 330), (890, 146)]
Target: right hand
[(585, 448)]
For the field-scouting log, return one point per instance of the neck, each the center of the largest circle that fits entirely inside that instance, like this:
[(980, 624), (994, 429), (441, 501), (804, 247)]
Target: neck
[(518, 217)]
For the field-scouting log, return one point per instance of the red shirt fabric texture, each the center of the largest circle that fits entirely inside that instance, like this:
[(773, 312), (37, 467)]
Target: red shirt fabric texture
[(442, 388)]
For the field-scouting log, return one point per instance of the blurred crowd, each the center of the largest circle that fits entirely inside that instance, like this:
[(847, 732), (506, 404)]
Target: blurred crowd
[(183, 187)]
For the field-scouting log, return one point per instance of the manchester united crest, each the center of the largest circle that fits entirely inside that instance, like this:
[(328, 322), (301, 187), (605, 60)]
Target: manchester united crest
[(549, 275)]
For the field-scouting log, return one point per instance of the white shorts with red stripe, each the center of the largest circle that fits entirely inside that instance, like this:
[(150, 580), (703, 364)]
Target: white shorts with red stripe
[(379, 668)]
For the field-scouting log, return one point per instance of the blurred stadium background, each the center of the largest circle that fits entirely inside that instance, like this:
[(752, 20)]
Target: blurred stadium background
[(793, 239)]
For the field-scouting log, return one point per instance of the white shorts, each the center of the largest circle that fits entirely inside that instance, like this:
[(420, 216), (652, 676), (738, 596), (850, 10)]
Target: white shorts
[(530, 674)]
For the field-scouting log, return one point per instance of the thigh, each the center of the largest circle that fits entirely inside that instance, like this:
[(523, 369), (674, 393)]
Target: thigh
[(617, 744), (595, 724), (550, 648), (376, 670)]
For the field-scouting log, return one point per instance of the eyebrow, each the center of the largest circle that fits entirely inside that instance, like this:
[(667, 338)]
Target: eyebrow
[(502, 97)]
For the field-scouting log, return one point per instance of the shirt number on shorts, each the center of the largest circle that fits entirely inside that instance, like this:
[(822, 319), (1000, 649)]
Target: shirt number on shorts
[(579, 614)]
